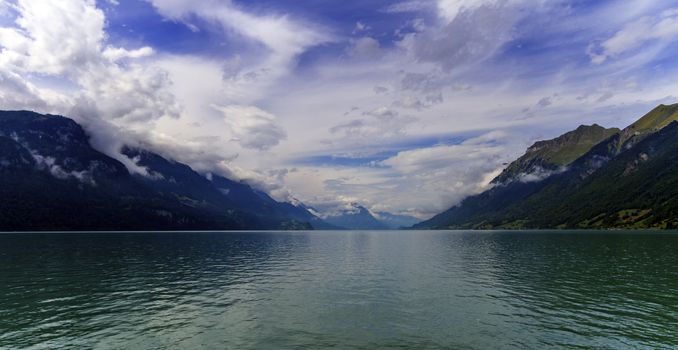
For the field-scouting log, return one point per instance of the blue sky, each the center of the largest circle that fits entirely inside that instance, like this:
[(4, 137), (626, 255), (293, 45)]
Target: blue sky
[(403, 106)]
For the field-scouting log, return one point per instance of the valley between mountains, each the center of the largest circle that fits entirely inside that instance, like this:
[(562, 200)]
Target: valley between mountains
[(51, 178)]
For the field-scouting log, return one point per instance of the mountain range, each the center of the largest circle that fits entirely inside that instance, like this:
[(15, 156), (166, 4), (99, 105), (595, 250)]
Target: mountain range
[(52, 179), (591, 177), (356, 217)]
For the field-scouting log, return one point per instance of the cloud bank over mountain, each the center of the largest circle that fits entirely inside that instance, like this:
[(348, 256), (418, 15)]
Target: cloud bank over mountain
[(404, 107)]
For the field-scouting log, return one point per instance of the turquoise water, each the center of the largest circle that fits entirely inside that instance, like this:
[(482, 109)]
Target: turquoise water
[(343, 290)]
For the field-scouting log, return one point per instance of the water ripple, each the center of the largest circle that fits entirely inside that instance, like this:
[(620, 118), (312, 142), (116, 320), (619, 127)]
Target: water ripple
[(352, 290)]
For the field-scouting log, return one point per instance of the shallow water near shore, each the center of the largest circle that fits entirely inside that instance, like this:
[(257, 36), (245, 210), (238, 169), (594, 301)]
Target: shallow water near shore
[(343, 289)]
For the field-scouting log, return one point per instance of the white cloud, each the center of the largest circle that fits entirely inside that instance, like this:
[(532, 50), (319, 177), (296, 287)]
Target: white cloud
[(18, 93), (439, 77), (426, 160), (445, 174), (49, 164), (53, 37), (365, 48), (65, 40), (419, 182), (377, 124), (282, 36), (466, 37), (361, 27), (118, 53), (662, 28), (538, 174), (410, 6), (253, 127), (450, 9)]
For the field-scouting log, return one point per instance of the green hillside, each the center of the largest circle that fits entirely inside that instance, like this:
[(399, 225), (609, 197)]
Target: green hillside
[(656, 119), (555, 153), (637, 189), (628, 180)]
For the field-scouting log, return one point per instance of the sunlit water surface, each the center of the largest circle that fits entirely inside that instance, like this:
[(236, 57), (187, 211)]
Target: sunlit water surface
[(345, 290)]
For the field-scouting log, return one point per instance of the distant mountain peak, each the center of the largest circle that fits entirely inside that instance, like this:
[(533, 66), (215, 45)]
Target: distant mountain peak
[(354, 216)]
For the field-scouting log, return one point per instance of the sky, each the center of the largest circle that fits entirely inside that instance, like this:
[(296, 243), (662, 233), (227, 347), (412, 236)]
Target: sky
[(405, 107)]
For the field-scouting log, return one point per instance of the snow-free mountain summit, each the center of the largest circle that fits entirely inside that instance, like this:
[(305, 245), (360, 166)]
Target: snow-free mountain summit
[(587, 178)]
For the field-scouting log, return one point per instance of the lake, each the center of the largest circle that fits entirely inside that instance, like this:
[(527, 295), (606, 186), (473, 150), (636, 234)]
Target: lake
[(344, 289)]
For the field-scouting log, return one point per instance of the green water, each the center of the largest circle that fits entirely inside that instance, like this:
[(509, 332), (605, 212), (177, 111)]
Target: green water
[(342, 290)]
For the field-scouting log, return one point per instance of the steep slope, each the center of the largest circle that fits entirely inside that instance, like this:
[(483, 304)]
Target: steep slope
[(51, 178), (546, 157), (522, 177), (176, 180), (653, 121), (638, 188), (477, 208), (216, 193), (551, 202), (627, 138), (250, 199), (59, 146)]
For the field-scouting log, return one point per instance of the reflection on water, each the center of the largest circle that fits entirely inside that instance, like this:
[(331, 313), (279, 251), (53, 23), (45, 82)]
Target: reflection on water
[(362, 290)]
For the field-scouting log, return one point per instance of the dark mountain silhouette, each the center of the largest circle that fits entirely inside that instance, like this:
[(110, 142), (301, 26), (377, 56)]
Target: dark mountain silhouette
[(52, 179)]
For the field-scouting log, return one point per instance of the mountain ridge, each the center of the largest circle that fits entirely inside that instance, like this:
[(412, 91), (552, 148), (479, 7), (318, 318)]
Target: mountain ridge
[(556, 200), (547, 156), (50, 172)]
